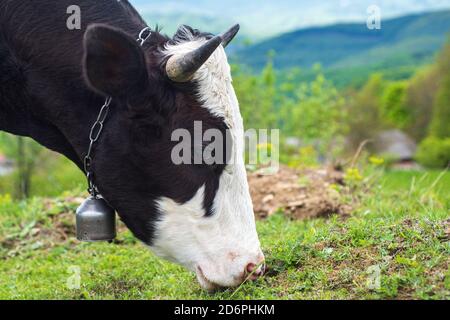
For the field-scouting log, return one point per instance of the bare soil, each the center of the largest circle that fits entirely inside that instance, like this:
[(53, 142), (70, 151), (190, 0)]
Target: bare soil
[(299, 194)]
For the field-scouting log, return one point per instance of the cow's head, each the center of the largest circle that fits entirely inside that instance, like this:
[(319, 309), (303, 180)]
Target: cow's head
[(197, 215)]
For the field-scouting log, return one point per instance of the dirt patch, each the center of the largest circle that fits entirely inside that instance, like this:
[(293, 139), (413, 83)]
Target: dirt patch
[(299, 193), (446, 236), (57, 226), (116, 288)]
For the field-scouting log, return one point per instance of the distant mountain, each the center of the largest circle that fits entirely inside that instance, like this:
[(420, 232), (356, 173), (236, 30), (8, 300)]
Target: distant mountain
[(264, 19), (401, 44)]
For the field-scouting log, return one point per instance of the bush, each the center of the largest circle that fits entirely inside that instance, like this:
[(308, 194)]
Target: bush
[(393, 108), (434, 152), (441, 109)]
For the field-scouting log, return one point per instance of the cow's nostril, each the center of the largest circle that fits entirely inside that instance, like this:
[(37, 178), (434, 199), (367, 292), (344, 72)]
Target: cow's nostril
[(254, 270), (250, 267)]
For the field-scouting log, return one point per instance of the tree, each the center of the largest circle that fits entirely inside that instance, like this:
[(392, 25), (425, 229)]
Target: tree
[(440, 123), (364, 112), (419, 99), (257, 97), (439, 126), (315, 113), (434, 151), (393, 109)]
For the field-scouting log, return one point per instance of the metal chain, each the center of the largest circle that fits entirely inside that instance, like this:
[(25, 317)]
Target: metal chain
[(141, 39), (94, 135), (97, 129)]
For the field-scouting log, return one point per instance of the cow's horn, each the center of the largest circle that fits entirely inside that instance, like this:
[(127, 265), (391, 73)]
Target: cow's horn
[(229, 35), (182, 68)]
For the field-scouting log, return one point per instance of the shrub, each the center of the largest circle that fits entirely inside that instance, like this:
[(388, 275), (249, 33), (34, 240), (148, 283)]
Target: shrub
[(441, 109), (439, 126), (393, 108), (434, 152)]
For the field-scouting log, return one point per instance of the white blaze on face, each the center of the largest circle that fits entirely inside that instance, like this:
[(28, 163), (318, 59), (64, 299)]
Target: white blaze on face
[(218, 247)]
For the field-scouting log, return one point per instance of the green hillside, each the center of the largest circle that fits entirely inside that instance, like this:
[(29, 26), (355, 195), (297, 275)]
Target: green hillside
[(349, 52)]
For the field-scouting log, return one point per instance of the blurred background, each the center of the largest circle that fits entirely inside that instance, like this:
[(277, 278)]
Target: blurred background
[(334, 77)]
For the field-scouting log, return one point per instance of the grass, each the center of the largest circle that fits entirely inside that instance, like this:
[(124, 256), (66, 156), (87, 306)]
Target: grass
[(394, 246)]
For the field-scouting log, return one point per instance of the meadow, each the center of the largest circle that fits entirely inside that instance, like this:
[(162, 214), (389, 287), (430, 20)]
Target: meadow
[(392, 244), (395, 245)]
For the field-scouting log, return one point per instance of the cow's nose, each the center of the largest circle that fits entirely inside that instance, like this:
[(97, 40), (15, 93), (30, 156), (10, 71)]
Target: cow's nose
[(255, 271)]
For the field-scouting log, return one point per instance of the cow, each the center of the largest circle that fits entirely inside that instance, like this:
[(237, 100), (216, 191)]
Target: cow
[(54, 80)]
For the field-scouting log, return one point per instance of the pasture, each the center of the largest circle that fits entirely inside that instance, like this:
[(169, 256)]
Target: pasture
[(394, 245), (356, 119)]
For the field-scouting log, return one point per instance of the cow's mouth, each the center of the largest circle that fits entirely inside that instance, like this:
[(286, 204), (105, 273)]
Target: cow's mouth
[(204, 281)]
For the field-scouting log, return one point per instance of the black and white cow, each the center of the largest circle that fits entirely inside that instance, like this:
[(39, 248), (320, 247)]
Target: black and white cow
[(54, 80)]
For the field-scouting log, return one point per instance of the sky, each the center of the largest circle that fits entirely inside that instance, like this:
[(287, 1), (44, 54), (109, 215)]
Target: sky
[(269, 17)]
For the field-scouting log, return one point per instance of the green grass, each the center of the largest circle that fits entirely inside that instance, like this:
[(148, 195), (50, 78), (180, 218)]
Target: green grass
[(418, 181), (400, 230)]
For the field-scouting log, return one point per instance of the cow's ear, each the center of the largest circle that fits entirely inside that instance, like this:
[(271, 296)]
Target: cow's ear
[(113, 62)]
